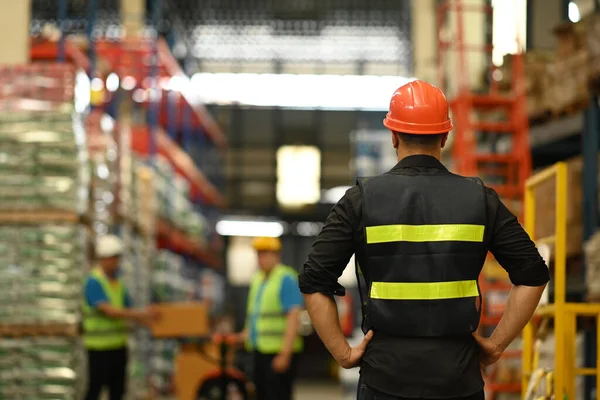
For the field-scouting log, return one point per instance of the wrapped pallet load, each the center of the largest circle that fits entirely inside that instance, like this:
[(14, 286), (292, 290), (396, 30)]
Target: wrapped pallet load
[(567, 78), (44, 181)]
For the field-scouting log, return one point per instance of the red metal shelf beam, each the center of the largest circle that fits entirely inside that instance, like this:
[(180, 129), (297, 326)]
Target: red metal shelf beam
[(133, 57), (176, 240), (181, 161)]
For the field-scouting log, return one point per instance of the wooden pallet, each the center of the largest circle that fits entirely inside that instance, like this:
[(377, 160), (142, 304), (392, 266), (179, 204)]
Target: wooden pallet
[(571, 109), (540, 117), (594, 83), (38, 216), (68, 330)]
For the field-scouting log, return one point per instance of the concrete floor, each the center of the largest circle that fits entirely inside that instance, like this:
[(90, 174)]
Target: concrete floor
[(317, 391)]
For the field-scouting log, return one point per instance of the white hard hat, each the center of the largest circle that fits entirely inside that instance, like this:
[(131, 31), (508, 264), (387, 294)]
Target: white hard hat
[(108, 246)]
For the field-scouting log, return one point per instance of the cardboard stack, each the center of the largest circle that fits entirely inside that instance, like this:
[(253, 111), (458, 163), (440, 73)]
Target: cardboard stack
[(567, 77), (168, 286)]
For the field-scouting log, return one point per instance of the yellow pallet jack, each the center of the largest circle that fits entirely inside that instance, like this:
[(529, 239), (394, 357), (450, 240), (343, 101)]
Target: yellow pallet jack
[(204, 366)]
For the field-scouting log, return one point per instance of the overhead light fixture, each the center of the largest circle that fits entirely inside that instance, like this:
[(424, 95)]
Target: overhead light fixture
[(335, 92), (574, 14), (251, 228), (298, 186)]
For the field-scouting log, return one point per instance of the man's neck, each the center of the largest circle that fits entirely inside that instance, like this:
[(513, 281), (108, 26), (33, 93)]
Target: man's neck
[(110, 276), (403, 153)]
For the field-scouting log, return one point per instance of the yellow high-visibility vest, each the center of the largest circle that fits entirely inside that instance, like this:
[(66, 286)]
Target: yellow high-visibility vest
[(100, 331), (271, 319)]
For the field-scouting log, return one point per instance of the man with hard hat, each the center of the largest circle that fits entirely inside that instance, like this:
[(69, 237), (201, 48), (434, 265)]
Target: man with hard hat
[(107, 309), (420, 235), (272, 322)]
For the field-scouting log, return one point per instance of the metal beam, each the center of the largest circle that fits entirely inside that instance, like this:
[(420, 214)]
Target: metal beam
[(555, 130), (591, 144)]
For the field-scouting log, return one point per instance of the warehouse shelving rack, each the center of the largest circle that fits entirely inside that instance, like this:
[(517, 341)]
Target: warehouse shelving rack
[(176, 122)]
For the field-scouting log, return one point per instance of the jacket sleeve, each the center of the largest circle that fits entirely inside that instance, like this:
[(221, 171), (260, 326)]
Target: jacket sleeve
[(513, 248), (332, 249)]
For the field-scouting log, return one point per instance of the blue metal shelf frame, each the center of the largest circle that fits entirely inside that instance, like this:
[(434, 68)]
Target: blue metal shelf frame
[(590, 148)]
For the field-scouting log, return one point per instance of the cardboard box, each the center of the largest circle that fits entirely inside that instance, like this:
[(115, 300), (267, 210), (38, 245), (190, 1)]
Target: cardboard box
[(593, 45), (185, 319), (566, 82), (546, 207), (568, 39)]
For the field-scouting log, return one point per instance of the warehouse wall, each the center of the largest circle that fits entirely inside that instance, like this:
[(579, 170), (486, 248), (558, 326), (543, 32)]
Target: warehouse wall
[(424, 33), (546, 14), (425, 46)]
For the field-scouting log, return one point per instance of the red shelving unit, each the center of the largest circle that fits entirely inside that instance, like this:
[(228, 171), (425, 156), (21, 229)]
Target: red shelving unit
[(134, 58), (181, 161), (174, 239)]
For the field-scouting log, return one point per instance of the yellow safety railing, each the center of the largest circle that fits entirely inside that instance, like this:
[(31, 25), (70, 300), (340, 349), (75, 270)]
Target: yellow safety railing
[(564, 314)]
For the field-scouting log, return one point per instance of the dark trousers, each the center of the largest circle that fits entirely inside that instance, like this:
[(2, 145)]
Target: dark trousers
[(107, 368), (269, 384), (367, 393)]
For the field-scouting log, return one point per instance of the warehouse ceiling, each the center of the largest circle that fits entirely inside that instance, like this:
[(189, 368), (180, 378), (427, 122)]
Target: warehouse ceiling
[(336, 37)]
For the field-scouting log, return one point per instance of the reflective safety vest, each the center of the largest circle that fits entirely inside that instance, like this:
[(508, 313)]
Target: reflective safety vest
[(100, 331), (423, 254), (271, 320)]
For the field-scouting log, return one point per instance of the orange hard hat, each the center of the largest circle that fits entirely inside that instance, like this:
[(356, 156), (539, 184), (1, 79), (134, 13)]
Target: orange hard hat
[(418, 108)]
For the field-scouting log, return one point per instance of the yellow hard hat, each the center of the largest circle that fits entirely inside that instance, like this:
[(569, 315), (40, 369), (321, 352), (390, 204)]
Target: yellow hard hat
[(266, 244)]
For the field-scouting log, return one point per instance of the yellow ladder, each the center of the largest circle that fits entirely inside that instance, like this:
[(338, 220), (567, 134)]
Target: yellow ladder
[(564, 314)]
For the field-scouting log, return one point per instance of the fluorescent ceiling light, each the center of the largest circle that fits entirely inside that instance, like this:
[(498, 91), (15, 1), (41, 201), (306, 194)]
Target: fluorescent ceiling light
[(250, 228), (329, 92), (298, 175), (574, 14)]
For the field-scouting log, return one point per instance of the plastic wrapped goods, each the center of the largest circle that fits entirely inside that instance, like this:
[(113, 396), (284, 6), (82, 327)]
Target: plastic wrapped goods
[(43, 162), (41, 368), (42, 270)]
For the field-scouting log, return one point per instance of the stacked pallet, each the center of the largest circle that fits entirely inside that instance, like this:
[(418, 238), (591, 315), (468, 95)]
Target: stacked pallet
[(566, 80), (41, 368), (593, 45), (558, 82), (43, 247), (168, 285)]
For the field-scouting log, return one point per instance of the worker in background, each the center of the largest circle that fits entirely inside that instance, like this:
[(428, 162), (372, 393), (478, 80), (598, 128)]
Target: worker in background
[(107, 311), (272, 322), (421, 235)]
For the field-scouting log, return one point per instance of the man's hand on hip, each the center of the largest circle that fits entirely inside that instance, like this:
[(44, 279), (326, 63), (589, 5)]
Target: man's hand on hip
[(353, 355), (490, 351)]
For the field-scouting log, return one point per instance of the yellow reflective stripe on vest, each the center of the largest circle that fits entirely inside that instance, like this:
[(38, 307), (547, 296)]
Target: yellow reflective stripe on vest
[(425, 233), (423, 290)]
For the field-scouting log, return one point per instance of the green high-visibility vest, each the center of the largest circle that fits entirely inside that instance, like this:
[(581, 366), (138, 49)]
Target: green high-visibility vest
[(100, 331), (271, 320)]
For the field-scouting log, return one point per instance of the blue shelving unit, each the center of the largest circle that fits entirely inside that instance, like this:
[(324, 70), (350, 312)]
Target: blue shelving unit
[(591, 146)]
